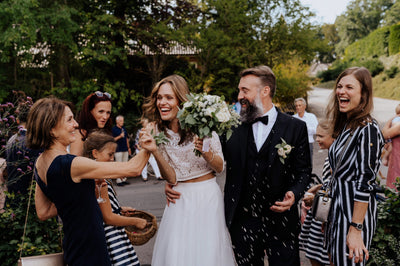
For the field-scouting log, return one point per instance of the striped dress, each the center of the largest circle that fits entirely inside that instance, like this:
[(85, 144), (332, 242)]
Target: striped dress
[(353, 181), (119, 246), (311, 239)]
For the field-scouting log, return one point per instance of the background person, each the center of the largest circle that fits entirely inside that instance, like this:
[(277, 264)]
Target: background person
[(311, 237), (391, 158), (95, 114), (123, 149), (310, 119), (102, 147), (353, 216), (192, 230), (19, 160), (65, 184)]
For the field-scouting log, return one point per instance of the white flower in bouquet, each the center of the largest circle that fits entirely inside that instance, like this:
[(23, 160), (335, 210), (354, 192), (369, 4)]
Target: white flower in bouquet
[(202, 114)]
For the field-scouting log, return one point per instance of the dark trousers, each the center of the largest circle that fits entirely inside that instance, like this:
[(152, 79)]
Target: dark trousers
[(250, 240)]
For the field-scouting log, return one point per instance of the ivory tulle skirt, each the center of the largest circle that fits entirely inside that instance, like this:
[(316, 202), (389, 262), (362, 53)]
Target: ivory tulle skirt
[(193, 230)]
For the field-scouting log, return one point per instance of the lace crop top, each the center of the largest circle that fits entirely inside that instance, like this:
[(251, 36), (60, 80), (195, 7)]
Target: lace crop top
[(183, 159)]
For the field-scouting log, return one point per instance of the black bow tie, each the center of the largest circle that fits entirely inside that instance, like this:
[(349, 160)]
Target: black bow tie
[(262, 119)]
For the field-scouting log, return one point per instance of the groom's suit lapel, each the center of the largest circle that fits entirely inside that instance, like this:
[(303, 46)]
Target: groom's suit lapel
[(243, 135)]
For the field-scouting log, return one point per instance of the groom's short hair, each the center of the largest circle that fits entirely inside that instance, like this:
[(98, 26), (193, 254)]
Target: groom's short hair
[(265, 74)]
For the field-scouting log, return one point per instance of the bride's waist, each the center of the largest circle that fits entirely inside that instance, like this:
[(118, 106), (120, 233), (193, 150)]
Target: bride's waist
[(199, 179)]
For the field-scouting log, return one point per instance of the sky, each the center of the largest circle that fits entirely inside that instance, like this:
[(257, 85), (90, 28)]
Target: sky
[(326, 10)]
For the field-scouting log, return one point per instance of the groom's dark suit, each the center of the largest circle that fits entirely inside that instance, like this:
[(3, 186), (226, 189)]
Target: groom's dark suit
[(255, 180)]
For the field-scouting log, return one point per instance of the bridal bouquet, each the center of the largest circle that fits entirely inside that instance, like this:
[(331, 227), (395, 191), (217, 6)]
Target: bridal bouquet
[(202, 114)]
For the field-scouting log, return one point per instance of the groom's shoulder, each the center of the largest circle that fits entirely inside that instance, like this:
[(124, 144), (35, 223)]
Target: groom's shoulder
[(284, 118)]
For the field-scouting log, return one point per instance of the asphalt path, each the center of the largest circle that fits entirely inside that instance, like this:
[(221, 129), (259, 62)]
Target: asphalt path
[(149, 196)]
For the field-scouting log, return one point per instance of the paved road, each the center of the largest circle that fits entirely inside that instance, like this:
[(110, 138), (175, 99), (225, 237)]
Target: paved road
[(149, 196)]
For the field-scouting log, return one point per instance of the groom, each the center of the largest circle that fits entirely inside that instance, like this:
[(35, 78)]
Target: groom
[(268, 170)]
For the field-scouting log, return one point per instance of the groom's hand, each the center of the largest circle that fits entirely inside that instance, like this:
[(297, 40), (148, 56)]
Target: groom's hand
[(171, 194), (285, 204)]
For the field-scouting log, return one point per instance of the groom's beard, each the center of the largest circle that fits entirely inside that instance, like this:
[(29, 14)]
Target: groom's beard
[(251, 111)]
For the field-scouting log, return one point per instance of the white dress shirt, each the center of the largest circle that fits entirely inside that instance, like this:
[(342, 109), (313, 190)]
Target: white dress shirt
[(261, 131), (312, 123)]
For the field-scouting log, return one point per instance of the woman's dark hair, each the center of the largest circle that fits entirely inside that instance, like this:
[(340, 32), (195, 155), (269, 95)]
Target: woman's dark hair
[(362, 113), (43, 116), (87, 123)]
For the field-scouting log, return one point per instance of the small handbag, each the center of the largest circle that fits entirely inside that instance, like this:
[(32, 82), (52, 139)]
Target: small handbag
[(321, 206), (322, 203)]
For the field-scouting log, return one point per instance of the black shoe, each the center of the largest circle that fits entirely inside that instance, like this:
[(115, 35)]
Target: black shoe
[(125, 182), (121, 184), (160, 178)]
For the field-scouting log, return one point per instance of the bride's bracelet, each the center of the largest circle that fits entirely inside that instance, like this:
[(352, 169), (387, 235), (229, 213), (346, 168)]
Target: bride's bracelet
[(212, 158)]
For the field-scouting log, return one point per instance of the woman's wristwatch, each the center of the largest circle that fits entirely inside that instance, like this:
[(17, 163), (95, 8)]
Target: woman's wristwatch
[(359, 227)]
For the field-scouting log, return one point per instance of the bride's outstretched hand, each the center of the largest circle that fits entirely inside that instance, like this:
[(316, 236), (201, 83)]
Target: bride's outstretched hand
[(146, 141)]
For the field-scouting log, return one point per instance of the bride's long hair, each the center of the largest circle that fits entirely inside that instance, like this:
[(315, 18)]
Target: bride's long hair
[(180, 88)]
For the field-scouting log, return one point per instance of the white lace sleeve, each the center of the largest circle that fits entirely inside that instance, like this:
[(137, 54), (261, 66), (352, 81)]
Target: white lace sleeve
[(216, 147), (183, 159)]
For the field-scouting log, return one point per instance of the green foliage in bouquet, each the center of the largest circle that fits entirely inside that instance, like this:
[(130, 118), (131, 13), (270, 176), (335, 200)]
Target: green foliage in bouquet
[(385, 245), (202, 114), (160, 138)]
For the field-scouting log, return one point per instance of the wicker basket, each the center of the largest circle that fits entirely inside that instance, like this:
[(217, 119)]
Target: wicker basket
[(141, 236)]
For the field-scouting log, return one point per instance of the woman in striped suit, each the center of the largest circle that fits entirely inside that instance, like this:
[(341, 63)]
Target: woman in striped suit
[(359, 143)]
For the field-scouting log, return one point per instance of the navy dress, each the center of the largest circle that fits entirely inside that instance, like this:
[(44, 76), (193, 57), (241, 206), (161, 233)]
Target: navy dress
[(84, 241)]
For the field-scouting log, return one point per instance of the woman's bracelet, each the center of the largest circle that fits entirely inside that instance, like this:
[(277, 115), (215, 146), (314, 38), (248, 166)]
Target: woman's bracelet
[(212, 158)]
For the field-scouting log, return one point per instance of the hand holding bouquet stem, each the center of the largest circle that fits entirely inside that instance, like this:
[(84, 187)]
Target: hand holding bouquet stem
[(202, 114)]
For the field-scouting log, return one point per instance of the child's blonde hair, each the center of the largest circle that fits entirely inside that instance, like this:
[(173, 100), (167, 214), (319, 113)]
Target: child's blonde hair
[(397, 109), (96, 140)]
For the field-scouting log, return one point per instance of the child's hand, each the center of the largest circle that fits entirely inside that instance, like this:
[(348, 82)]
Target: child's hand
[(125, 210), (139, 223)]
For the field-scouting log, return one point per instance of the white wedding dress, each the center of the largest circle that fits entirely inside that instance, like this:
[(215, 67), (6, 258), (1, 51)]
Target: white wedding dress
[(193, 230)]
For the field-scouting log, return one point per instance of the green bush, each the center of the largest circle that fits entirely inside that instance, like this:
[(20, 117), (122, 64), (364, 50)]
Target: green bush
[(42, 237), (375, 66), (392, 72), (292, 81), (333, 72), (394, 39), (375, 44), (385, 245)]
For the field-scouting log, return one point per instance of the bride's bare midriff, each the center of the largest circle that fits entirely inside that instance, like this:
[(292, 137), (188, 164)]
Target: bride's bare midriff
[(199, 179)]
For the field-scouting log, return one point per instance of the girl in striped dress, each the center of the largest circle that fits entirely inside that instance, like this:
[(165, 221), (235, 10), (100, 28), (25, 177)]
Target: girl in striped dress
[(311, 239), (101, 147), (353, 216)]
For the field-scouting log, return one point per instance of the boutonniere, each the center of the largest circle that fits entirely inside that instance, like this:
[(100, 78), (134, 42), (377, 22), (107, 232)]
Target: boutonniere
[(284, 150)]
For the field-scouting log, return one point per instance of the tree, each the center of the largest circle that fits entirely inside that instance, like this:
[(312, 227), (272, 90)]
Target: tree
[(392, 16), (238, 34), (361, 18)]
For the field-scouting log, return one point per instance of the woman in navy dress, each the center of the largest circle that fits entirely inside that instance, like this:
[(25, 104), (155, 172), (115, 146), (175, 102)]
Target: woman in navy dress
[(65, 184), (354, 213)]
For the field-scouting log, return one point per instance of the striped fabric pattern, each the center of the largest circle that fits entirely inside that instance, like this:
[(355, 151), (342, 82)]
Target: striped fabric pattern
[(119, 247), (311, 239), (354, 181)]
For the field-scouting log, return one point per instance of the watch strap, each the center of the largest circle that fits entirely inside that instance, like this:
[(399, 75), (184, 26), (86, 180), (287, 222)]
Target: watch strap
[(359, 227)]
